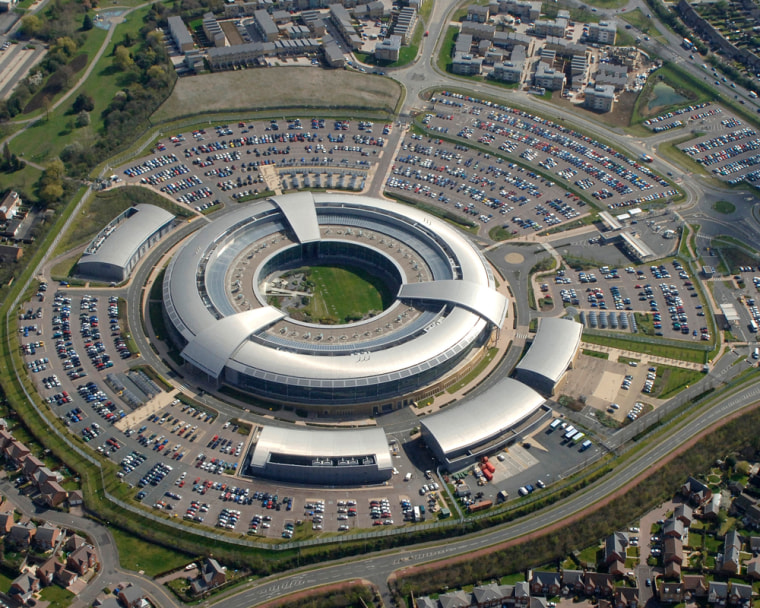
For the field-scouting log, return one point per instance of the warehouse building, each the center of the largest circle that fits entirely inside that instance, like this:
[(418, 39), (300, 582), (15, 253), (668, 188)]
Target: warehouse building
[(114, 252)]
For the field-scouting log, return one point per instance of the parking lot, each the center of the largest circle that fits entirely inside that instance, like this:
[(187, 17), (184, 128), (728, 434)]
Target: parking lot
[(479, 186), (545, 457), (614, 180), (180, 458), (657, 299), (183, 459), (728, 148), (227, 163)]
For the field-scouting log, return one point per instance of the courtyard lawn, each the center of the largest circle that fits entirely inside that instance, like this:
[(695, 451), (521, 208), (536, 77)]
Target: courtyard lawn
[(342, 294)]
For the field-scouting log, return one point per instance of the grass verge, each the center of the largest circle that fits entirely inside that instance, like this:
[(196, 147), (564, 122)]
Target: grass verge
[(679, 353)]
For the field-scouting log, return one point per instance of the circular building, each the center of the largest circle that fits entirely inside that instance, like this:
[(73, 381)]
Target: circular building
[(232, 304)]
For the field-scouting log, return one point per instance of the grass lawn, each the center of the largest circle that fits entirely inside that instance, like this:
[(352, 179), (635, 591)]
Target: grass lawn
[(136, 554), (444, 58), (474, 372), (48, 136), (23, 180), (306, 88), (595, 354), (57, 596), (724, 207), (638, 20), (104, 206), (342, 293), (680, 353), (499, 233), (625, 38), (5, 581), (671, 380), (590, 555), (607, 3)]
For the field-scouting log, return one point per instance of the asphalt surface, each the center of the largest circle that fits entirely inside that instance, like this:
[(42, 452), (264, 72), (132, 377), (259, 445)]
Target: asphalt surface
[(378, 568), (420, 76)]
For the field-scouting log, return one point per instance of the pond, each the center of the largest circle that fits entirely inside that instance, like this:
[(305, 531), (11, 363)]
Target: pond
[(104, 19), (664, 95)]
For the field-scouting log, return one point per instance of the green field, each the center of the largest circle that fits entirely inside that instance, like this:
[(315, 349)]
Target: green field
[(253, 91), (679, 353), (343, 294), (671, 380), (137, 554)]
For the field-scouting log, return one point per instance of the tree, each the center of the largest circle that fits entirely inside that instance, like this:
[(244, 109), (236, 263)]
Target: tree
[(67, 45), (55, 171), (83, 102), (51, 193), (83, 119), (31, 26), (122, 58), (87, 23)]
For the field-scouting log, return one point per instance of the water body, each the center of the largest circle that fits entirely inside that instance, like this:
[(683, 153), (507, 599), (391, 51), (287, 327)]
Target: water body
[(664, 95), (106, 17)]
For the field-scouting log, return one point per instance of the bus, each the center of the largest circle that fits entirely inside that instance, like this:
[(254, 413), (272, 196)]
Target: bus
[(577, 437), (585, 445), (553, 426), (687, 44), (570, 431), (753, 326)]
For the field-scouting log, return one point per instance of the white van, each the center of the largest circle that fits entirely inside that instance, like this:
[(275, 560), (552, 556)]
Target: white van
[(407, 477)]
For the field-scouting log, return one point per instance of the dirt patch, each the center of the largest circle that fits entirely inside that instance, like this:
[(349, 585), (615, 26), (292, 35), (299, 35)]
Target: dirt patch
[(619, 117), (608, 386), (279, 89)]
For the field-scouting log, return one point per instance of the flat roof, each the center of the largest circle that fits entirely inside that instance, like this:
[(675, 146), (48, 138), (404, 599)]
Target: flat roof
[(483, 417), (553, 348), (326, 443), (179, 30), (639, 247)]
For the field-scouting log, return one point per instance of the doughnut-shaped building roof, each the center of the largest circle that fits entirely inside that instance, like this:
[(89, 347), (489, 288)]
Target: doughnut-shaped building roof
[(445, 284)]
